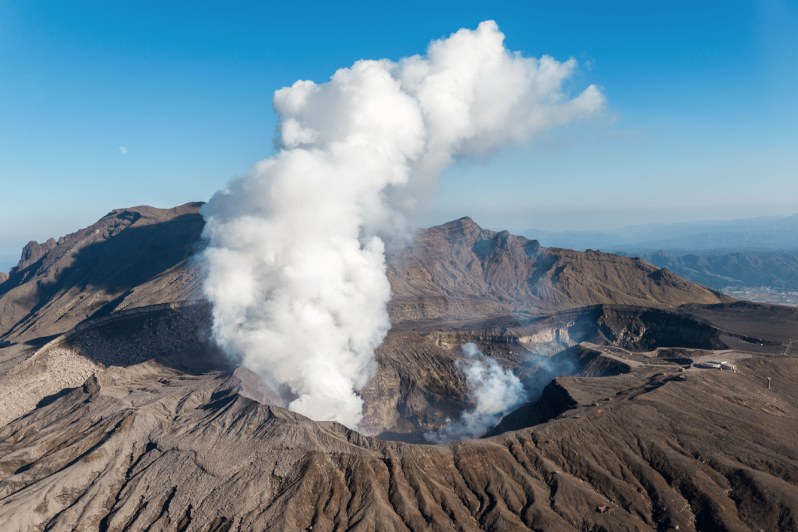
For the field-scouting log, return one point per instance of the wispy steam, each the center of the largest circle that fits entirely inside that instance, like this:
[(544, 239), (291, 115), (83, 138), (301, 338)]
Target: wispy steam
[(295, 262), (495, 390)]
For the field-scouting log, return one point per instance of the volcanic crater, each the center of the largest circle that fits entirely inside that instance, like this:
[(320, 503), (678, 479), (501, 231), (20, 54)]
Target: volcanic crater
[(118, 412)]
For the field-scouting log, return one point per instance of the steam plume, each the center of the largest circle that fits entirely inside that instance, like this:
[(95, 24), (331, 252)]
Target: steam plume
[(295, 259), (495, 390)]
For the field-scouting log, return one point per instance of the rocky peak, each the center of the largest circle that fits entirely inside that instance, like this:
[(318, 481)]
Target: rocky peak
[(33, 251), (463, 229)]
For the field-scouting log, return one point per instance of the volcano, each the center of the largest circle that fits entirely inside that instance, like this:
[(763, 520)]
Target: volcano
[(118, 411)]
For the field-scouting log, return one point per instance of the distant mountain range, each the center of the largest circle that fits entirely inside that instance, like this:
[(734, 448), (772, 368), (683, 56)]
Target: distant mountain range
[(736, 270), (718, 254), (763, 234)]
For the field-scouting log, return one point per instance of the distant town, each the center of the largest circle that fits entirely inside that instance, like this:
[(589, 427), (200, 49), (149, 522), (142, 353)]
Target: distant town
[(763, 294)]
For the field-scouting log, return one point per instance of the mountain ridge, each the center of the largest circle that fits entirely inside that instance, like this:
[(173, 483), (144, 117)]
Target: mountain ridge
[(62, 282), (736, 270), (135, 420), (130, 257)]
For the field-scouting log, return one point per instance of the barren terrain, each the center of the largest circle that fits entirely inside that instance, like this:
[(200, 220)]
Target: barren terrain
[(119, 413)]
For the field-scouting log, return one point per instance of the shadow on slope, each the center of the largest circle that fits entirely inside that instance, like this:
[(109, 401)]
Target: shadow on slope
[(92, 272), (179, 339)]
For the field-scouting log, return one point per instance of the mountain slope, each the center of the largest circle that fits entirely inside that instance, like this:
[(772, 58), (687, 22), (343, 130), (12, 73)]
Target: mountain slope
[(133, 420), (459, 270), (141, 256), (129, 258), (778, 270), (458, 283), (150, 448)]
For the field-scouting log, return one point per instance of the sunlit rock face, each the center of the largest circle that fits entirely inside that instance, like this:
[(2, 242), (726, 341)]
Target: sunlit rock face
[(136, 420)]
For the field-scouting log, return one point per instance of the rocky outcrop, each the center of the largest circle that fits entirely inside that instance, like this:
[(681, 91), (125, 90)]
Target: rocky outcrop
[(32, 252)]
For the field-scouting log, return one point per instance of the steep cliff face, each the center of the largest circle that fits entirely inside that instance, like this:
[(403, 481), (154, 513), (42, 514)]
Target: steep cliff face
[(418, 387)]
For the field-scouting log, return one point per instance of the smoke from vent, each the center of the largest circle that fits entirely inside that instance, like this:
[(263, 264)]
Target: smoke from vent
[(494, 390), (295, 259)]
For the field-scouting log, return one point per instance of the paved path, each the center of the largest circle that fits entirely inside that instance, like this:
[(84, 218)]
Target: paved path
[(727, 355)]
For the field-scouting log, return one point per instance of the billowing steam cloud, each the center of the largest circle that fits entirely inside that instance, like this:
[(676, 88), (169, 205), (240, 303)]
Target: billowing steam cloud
[(495, 390), (295, 259)]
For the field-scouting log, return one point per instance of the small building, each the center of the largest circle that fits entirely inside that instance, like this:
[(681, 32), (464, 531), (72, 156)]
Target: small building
[(718, 364)]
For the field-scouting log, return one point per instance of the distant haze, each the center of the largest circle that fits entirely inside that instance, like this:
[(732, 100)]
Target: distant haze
[(8, 261), (701, 124), (770, 233)]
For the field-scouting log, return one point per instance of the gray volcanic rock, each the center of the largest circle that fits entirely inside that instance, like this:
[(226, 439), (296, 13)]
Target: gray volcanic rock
[(133, 419), (461, 271), (148, 447), (130, 258), (3, 277)]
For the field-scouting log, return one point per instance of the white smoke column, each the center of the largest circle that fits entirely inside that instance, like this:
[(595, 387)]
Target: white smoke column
[(495, 390), (295, 259)]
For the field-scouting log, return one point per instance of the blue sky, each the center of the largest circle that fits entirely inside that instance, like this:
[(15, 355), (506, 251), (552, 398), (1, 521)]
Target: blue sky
[(701, 121)]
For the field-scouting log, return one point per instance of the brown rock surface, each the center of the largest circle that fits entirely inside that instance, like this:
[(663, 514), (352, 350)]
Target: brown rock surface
[(141, 256), (458, 283), (134, 421), (460, 271), (150, 448), (130, 258)]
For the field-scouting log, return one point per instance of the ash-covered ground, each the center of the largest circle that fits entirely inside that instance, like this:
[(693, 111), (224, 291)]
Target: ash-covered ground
[(132, 419)]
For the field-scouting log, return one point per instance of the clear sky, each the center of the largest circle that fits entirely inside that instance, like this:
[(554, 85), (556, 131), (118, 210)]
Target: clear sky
[(702, 120)]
